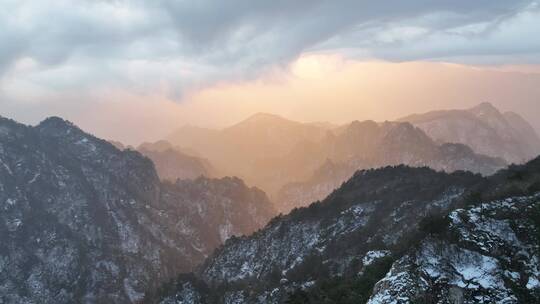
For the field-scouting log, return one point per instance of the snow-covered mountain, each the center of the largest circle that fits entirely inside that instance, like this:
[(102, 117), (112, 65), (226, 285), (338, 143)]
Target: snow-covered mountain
[(84, 222), (483, 128), (390, 235)]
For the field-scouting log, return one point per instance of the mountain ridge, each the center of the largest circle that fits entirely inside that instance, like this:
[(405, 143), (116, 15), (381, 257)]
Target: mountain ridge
[(82, 221), (273, 152), (484, 128), (434, 237)]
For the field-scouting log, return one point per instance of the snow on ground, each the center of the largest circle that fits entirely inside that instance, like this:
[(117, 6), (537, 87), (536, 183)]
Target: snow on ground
[(372, 256), (474, 268)]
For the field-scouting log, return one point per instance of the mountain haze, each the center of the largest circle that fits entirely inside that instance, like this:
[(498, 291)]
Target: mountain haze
[(173, 163), (237, 148), (283, 157), (485, 129)]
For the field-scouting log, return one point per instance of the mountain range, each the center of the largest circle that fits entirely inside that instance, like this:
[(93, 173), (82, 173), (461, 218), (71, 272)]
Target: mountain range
[(483, 128), (389, 235), (84, 222), (289, 159), (362, 145), (174, 163)]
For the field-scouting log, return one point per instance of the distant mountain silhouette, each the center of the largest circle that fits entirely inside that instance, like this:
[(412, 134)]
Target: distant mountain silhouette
[(362, 145), (283, 157), (483, 128), (173, 163), (245, 148)]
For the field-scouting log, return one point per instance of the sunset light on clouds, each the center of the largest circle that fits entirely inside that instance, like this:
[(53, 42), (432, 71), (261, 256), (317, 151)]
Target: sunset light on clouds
[(170, 63)]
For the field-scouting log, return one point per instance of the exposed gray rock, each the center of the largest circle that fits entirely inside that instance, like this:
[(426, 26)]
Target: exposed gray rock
[(492, 259)]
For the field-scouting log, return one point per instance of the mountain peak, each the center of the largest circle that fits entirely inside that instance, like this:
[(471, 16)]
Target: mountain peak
[(263, 120), (359, 126), (55, 122), (485, 108), (265, 117), (75, 196)]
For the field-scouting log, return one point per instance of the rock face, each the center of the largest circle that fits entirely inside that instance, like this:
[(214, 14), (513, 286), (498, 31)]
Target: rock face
[(83, 222), (392, 235), (172, 163), (487, 256), (483, 128)]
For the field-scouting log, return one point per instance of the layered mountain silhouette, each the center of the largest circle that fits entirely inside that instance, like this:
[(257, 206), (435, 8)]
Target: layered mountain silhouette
[(84, 222), (286, 158), (236, 150), (483, 128), (387, 144), (389, 235), (174, 163)]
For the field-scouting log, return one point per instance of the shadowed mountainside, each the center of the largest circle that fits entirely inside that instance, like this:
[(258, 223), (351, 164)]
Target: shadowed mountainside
[(404, 233), (84, 222)]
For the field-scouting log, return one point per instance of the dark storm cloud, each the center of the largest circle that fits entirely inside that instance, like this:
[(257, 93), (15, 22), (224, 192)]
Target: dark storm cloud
[(214, 31), (270, 31)]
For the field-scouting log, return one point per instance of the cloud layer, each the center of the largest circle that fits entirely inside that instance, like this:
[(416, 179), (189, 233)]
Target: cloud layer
[(205, 40), (72, 54)]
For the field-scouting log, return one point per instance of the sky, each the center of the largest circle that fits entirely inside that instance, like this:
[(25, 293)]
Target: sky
[(135, 70)]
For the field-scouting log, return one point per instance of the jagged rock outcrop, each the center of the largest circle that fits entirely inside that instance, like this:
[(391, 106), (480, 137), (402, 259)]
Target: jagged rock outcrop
[(84, 222), (488, 255)]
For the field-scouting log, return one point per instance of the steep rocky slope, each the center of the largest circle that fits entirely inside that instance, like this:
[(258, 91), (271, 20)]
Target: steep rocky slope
[(487, 255), (392, 235), (83, 222), (484, 128)]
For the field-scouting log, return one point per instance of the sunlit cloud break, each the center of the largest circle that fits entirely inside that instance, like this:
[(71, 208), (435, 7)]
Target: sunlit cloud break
[(63, 57)]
